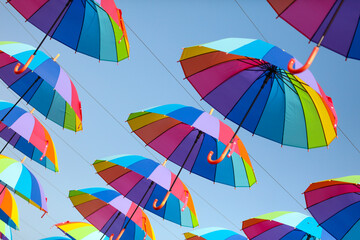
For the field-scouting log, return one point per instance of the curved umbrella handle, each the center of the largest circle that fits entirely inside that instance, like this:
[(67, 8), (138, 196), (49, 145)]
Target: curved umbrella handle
[(162, 203), (16, 69), (306, 65), (233, 147), (119, 236), (186, 200), (111, 236), (144, 226), (45, 149), (221, 157)]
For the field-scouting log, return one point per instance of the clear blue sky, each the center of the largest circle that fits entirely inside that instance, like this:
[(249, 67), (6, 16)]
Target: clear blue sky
[(109, 92)]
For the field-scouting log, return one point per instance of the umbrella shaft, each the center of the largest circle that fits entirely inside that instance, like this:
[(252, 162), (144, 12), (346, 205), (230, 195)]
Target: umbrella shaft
[(331, 21), (7, 143), (3, 189), (57, 19), (20, 99), (252, 104)]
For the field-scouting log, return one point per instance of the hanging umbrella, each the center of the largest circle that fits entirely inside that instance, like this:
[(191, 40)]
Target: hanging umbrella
[(335, 204), (80, 231), (245, 80), (5, 231), (8, 209), (44, 85), (213, 233), (110, 212), (332, 24), (81, 25), (23, 131), (17, 178), (184, 134), (282, 226), (143, 180)]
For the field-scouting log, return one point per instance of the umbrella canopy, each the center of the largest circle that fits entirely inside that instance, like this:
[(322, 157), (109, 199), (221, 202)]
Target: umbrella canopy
[(16, 177), (81, 25), (44, 85), (173, 129), (142, 180), (80, 231), (246, 81), (8, 208), (213, 233), (109, 212), (282, 226), (23, 131), (5, 231), (335, 204), (332, 24)]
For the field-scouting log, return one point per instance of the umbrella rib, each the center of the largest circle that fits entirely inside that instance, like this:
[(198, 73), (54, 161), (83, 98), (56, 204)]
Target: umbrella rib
[(82, 25), (279, 14), (197, 152)]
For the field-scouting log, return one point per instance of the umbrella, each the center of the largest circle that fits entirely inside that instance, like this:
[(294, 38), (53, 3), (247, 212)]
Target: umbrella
[(44, 85), (17, 178), (81, 25), (80, 231), (213, 233), (8, 208), (335, 204), (142, 180), (23, 131), (184, 134), (5, 231), (245, 80), (57, 238), (282, 226), (110, 212), (332, 24)]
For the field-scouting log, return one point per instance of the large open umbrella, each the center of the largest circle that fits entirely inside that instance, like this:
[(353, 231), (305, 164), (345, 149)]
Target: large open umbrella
[(81, 25), (142, 180), (110, 212), (44, 85), (23, 131), (16, 177), (335, 204), (333, 24), (213, 233), (247, 82), (184, 135), (80, 231), (8, 208), (282, 226)]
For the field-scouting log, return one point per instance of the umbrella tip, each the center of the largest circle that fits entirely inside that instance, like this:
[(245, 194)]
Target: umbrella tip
[(56, 57)]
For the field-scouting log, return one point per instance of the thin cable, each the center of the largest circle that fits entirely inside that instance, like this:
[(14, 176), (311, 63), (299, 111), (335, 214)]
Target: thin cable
[(348, 139), (262, 35)]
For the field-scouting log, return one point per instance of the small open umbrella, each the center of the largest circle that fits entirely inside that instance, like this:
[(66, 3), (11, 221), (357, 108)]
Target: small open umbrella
[(23, 131), (247, 82), (282, 226), (333, 24), (142, 180), (44, 85), (213, 233), (81, 25), (184, 134), (110, 212), (335, 204), (8, 208), (17, 178), (80, 231)]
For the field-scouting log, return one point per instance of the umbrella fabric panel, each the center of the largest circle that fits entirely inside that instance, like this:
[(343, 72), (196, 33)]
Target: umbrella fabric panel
[(8, 209), (84, 27), (213, 233), (156, 130), (5, 231), (80, 231)]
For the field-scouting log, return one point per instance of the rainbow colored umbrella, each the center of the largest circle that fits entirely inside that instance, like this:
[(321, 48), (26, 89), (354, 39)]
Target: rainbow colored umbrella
[(184, 134), (282, 226), (80, 231), (17, 178), (247, 82), (8, 209), (142, 180), (213, 233), (5, 231), (23, 131), (44, 85), (81, 25), (335, 204), (333, 24), (110, 212)]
